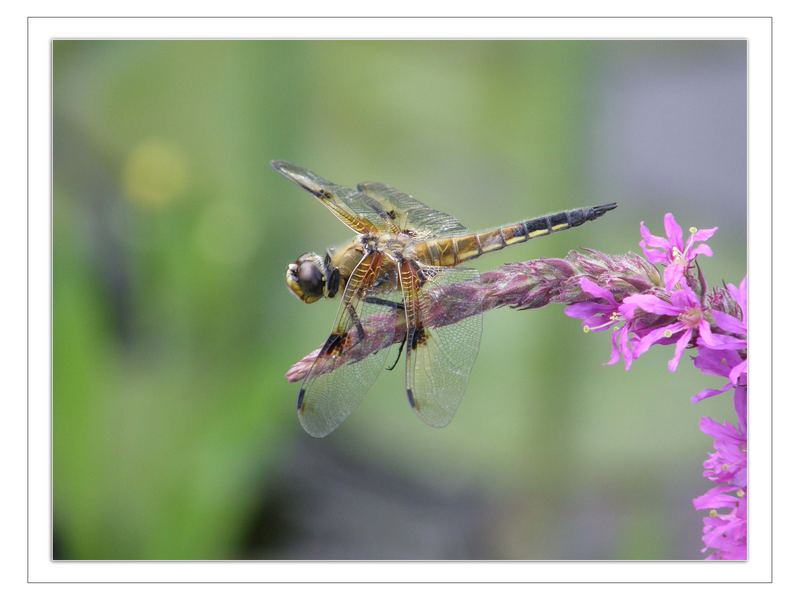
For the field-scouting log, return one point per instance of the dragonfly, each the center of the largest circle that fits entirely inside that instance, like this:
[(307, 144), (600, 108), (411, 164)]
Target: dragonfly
[(402, 255)]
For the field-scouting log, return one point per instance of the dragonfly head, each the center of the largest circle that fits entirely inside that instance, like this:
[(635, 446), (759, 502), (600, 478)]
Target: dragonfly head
[(306, 277)]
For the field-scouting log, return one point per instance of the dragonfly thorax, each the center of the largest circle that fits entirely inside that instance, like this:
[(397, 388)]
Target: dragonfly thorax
[(392, 244)]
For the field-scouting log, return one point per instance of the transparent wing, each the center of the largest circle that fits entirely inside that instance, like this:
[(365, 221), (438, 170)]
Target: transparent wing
[(358, 211), (409, 214), (335, 384), (438, 359)]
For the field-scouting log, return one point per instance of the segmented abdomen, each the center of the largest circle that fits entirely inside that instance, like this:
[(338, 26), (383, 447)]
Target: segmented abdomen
[(452, 250)]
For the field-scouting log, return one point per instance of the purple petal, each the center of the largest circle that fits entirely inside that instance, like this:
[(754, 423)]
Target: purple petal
[(740, 404), (703, 249), (737, 371), (726, 438), (673, 231), (624, 346), (685, 297), (650, 304), (742, 299), (627, 310), (680, 346), (734, 292), (702, 235), (656, 257), (584, 310), (716, 497), (654, 336), (673, 274), (716, 430), (719, 341), (709, 392), (705, 333), (712, 361), (615, 353), (653, 240), (729, 323), (590, 287)]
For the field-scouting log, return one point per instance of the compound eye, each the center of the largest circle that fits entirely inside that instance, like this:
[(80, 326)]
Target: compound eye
[(306, 278), (310, 278)]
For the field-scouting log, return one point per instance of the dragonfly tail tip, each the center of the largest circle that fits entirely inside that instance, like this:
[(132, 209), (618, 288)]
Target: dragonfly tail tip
[(599, 211)]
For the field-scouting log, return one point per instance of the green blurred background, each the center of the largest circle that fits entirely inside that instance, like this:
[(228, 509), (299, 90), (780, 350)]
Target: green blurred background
[(174, 432)]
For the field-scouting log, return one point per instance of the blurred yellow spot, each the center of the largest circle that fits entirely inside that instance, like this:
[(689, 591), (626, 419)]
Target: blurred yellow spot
[(692, 230), (586, 329), (154, 174), (740, 493), (713, 513), (667, 333)]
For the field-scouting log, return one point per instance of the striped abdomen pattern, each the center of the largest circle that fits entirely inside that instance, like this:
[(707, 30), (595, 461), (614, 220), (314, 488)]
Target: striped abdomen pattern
[(452, 250)]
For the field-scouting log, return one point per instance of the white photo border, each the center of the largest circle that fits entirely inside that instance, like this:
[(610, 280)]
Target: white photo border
[(758, 33)]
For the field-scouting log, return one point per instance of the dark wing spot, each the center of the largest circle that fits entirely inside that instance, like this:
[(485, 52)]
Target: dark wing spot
[(418, 337), (300, 399), (410, 395), (392, 214), (333, 345)]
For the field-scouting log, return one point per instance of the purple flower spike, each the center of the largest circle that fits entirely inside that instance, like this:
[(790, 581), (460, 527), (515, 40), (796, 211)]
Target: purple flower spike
[(678, 308), (725, 527)]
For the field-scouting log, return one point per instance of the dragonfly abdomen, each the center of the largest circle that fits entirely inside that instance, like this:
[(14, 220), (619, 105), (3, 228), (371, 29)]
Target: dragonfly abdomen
[(450, 251)]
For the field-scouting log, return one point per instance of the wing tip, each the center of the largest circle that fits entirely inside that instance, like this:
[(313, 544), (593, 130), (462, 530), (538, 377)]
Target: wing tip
[(314, 426), (285, 168)]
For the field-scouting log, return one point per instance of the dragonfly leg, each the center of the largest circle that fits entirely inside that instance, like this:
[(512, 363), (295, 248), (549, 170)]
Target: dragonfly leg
[(357, 322), (392, 304), (399, 354)]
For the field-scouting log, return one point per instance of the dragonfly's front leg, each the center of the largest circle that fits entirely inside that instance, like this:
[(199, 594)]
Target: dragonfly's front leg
[(398, 306), (399, 354)]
